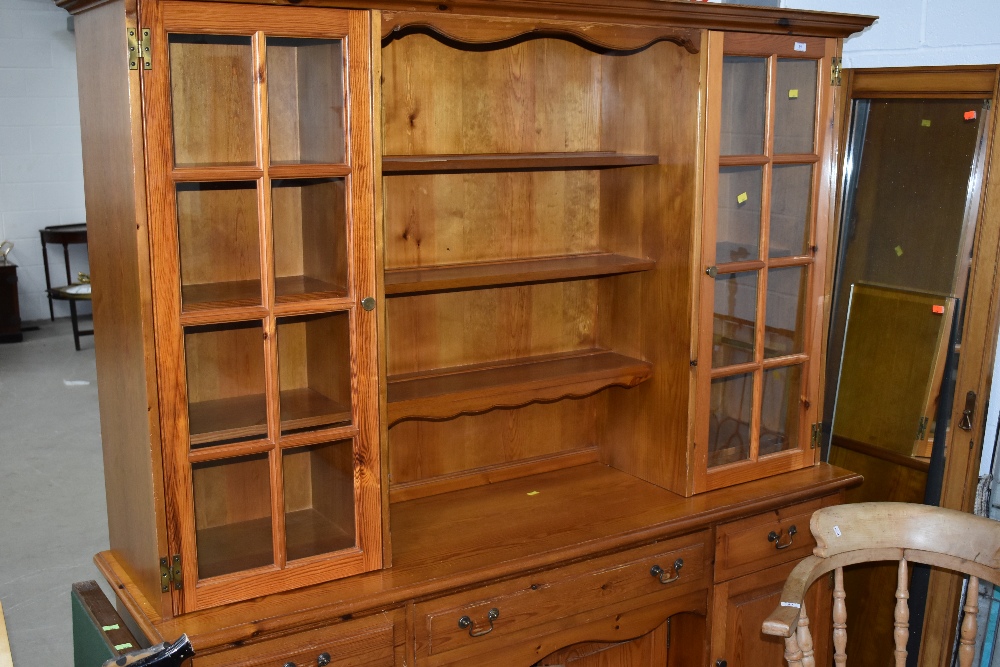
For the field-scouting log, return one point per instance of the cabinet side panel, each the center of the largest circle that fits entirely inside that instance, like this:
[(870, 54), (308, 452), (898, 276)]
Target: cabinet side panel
[(650, 106), (119, 260)]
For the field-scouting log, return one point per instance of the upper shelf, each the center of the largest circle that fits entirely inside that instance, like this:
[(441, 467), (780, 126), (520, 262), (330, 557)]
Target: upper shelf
[(511, 272), (440, 164), (449, 392)]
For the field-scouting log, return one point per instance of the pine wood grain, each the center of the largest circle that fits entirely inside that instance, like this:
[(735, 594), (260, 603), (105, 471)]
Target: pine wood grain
[(446, 542), (448, 392), (513, 272), (415, 164)]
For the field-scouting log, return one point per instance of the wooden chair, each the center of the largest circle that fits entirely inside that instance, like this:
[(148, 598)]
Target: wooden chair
[(867, 532)]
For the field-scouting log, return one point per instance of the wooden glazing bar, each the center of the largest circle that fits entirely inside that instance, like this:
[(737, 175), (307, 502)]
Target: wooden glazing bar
[(738, 369), (307, 170), (782, 262), (306, 305), (742, 160), (467, 276), (222, 315), (740, 267), (807, 158), (228, 451), (781, 362), (317, 437), (209, 174), (418, 164)]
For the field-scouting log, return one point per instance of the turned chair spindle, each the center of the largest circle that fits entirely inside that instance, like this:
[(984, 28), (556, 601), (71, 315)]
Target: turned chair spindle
[(874, 532)]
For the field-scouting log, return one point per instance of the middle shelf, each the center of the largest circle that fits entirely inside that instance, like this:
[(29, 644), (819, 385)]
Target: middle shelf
[(225, 419), (414, 280), (447, 392)]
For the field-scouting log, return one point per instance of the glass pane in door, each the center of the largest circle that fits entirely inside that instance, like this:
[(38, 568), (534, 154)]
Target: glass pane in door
[(319, 499), (791, 202), (795, 109), (232, 510), (225, 382), (729, 418), (305, 84), (734, 323), (738, 227), (219, 244), (212, 100), (744, 105), (780, 409), (784, 324), (310, 237), (314, 371)]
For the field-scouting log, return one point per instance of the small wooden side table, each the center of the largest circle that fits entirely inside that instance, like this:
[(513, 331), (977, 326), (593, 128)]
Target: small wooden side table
[(65, 235)]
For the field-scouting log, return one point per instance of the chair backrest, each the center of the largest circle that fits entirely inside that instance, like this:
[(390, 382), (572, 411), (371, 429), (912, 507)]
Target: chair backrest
[(871, 532)]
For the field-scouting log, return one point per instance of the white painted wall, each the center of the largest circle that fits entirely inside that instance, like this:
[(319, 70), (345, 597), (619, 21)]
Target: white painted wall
[(41, 169), (909, 33)]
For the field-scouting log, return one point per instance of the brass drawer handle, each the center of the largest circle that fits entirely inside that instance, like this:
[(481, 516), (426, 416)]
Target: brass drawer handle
[(776, 537), (657, 571), (466, 622)]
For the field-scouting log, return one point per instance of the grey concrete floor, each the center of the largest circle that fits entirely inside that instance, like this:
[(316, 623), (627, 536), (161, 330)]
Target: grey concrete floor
[(53, 516)]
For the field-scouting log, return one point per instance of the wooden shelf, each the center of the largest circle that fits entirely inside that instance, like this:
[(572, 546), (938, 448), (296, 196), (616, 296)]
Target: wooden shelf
[(310, 533), (234, 547), (512, 272), (246, 545), (303, 288), (246, 416), (213, 296), (477, 388), (417, 164)]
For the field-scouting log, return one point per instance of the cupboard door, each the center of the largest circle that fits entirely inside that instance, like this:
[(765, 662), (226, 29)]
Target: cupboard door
[(259, 127), (767, 167), (740, 607)]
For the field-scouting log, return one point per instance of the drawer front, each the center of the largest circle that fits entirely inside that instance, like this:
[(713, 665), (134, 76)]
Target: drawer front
[(360, 643), (764, 540), (528, 603)]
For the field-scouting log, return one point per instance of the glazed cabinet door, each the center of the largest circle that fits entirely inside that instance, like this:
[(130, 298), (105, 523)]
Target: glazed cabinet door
[(259, 134), (768, 166)]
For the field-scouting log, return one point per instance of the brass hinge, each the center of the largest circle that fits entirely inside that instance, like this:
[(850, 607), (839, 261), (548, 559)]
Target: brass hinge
[(138, 49), (922, 428), (170, 572), (835, 71), (817, 435)]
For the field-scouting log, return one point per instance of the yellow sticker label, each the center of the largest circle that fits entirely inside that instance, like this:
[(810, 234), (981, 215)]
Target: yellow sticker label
[(925, 123), (793, 93), (533, 493), (742, 198), (109, 628), (122, 647), (899, 251)]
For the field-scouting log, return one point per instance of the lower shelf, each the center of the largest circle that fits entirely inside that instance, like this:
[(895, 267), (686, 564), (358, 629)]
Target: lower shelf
[(245, 545), (234, 547), (246, 416), (468, 389)]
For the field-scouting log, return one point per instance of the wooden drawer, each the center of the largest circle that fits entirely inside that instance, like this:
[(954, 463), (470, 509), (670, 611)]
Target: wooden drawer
[(532, 606), (743, 546), (366, 642)]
